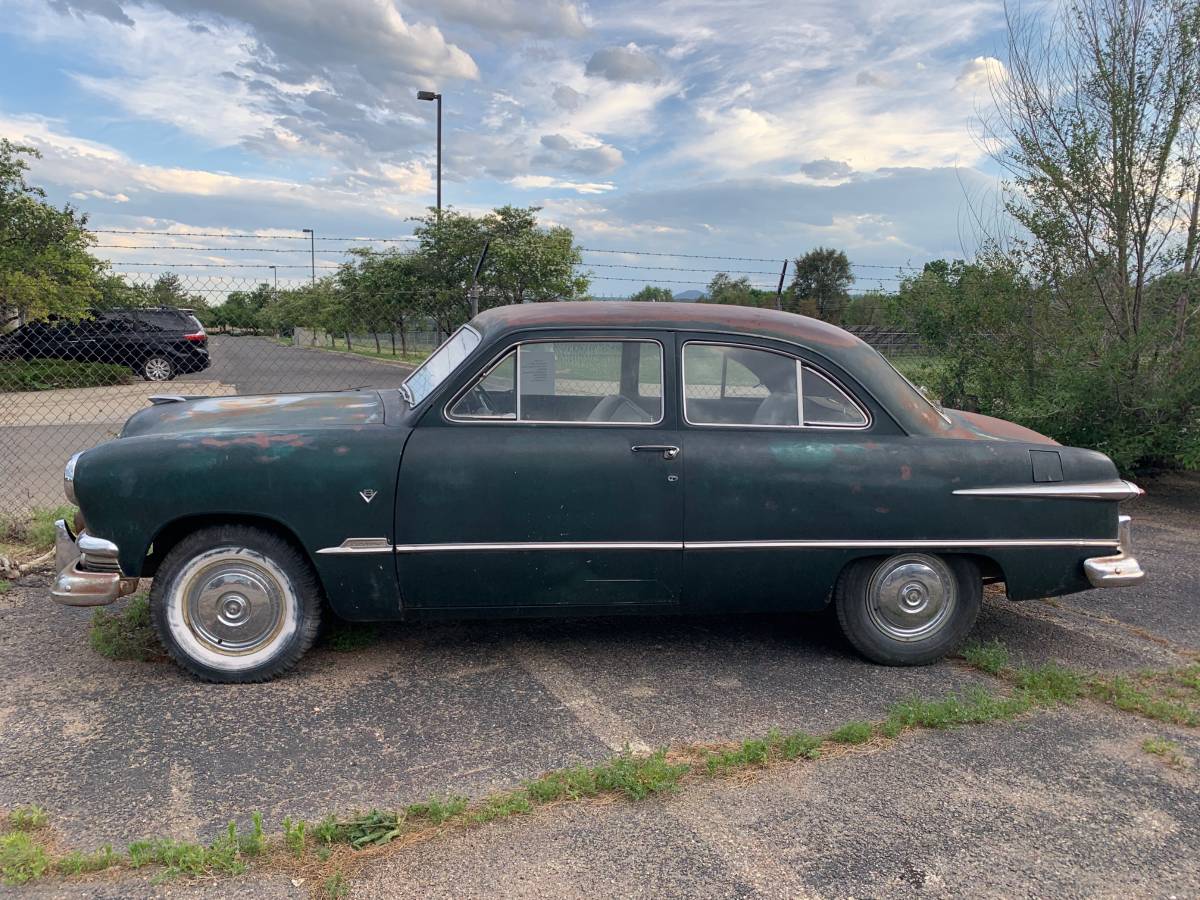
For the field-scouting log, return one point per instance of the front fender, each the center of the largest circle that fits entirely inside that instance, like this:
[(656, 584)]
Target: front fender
[(308, 480)]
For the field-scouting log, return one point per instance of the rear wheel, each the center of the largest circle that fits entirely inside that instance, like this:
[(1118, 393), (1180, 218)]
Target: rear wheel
[(911, 609), (235, 604), (157, 368)]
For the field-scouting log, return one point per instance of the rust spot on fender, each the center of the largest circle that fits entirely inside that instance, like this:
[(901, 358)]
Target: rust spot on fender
[(905, 473)]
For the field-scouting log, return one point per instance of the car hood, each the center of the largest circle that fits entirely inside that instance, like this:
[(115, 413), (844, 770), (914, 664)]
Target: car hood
[(988, 428), (267, 412)]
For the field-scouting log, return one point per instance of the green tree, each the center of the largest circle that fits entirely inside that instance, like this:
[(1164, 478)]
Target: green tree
[(525, 262), (654, 294), (822, 276), (45, 266), (1094, 341), (737, 292)]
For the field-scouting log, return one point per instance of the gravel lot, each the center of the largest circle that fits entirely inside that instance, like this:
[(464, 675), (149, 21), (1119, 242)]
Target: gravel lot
[(1062, 802)]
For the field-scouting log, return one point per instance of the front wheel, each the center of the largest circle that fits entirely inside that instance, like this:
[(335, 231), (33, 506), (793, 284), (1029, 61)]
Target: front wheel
[(235, 604), (911, 609), (158, 368)]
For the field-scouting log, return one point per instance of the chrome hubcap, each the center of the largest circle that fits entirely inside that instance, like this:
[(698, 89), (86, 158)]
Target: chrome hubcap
[(234, 606), (911, 597), (158, 370)]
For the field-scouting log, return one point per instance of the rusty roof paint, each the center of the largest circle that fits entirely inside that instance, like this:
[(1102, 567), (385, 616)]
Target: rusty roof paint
[(668, 316)]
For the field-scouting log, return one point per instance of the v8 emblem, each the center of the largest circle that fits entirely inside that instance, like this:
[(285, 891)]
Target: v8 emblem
[(368, 495)]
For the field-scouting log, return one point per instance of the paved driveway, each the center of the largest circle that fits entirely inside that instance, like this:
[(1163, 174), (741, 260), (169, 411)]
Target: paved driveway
[(40, 430), (1061, 802)]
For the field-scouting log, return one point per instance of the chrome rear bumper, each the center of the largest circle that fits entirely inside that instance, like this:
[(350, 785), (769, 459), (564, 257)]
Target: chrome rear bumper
[(88, 572), (1119, 570)]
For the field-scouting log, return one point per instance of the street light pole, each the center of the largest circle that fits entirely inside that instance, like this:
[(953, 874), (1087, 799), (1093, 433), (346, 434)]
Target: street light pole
[(431, 95), (312, 248)]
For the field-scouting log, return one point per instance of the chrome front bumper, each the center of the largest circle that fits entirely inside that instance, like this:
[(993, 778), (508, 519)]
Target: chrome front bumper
[(88, 572), (1119, 570)]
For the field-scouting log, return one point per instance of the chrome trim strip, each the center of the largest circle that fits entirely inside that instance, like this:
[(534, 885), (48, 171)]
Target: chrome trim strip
[(747, 545), (542, 545), (1061, 490), (900, 543), (356, 545)]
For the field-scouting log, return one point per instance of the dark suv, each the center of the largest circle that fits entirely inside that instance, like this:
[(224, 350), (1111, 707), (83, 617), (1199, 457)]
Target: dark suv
[(158, 343)]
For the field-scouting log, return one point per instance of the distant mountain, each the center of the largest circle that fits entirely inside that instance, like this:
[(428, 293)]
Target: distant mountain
[(690, 296)]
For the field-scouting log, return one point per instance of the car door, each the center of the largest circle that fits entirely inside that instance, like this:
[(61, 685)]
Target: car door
[(776, 450), (547, 480)]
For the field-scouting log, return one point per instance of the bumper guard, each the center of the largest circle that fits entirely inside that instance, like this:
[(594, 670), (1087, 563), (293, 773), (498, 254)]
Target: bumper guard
[(1119, 570), (88, 572)]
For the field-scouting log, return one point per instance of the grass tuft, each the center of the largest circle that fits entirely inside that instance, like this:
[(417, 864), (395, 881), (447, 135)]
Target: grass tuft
[(991, 657), (35, 531), (436, 811), (21, 860), (127, 634), (346, 637), (853, 733), (78, 863), (1050, 684), (293, 835), (27, 818), (1168, 750), (1149, 696), (5, 586), (973, 707), (335, 886)]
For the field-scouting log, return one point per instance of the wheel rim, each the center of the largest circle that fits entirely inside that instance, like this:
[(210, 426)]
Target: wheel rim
[(911, 597), (158, 369), (232, 608)]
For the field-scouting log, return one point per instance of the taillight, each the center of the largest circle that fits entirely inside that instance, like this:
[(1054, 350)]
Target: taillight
[(198, 337)]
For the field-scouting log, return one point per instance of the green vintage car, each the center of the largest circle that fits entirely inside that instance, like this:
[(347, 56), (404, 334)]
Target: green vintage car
[(583, 459)]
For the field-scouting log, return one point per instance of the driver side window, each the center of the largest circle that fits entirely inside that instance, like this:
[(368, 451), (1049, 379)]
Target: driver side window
[(601, 382)]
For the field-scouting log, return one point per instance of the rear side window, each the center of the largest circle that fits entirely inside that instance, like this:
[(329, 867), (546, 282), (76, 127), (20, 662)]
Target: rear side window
[(164, 320), (731, 385), (583, 382)]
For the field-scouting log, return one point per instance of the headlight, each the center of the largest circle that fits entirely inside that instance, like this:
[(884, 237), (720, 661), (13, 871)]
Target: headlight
[(69, 478)]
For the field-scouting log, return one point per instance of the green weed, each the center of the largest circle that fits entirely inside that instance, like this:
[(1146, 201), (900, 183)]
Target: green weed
[(35, 531), (853, 733), (293, 835), (346, 637), (991, 657), (436, 810), (21, 860), (974, 706), (127, 634), (1050, 684), (1168, 750), (78, 863), (501, 806), (1143, 699), (336, 886), (27, 818), (5, 586)]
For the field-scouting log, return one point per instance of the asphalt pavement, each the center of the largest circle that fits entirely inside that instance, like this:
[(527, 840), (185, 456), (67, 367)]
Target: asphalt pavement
[(1062, 802)]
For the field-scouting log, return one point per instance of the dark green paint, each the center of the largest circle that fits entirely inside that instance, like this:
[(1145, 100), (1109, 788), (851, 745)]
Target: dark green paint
[(299, 462)]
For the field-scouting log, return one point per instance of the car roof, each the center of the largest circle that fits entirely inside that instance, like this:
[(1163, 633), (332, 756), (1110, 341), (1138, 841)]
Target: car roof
[(672, 316)]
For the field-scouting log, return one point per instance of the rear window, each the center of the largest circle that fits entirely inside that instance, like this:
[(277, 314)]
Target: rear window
[(166, 320)]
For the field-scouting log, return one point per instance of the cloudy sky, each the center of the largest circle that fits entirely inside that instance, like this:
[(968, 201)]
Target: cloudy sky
[(748, 129)]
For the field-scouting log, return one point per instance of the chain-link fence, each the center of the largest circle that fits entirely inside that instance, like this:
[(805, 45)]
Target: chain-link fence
[(70, 383)]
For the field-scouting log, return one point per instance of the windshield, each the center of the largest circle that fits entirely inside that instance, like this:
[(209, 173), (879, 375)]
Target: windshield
[(437, 368)]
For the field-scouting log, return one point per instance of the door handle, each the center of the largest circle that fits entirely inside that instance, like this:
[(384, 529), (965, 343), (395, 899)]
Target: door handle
[(669, 451)]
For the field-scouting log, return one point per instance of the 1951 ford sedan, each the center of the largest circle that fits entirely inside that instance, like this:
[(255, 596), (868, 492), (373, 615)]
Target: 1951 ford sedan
[(582, 459)]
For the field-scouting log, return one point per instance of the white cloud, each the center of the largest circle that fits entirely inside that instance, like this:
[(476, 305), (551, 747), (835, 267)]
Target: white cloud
[(535, 182), (100, 195), (979, 73), (543, 18)]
